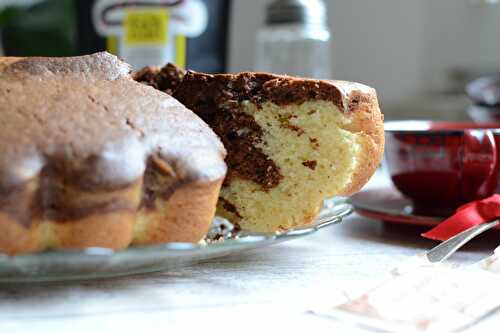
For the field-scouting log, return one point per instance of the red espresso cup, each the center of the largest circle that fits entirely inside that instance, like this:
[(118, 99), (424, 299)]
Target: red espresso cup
[(442, 165)]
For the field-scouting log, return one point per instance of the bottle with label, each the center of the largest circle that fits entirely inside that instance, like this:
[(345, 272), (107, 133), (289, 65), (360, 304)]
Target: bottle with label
[(295, 39), (151, 32)]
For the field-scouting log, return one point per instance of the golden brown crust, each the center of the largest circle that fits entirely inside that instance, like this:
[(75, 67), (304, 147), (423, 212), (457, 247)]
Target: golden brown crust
[(185, 217), (110, 230), (189, 213), (368, 121)]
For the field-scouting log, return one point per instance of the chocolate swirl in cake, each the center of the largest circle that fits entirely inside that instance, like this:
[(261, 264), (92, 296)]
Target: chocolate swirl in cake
[(217, 100)]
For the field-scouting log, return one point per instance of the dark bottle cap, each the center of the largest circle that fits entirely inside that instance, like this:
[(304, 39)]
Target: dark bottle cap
[(297, 11)]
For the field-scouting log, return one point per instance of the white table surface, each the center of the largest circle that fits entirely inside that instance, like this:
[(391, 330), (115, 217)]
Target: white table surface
[(264, 289)]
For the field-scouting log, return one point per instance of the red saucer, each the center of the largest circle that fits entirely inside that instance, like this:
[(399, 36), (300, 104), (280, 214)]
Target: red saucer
[(387, 204)]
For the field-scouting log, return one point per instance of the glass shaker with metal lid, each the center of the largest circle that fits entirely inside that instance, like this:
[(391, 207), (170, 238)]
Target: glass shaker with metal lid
[(295, 39)]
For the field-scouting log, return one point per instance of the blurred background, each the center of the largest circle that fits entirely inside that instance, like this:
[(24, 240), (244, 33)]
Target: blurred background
[(418, 54)]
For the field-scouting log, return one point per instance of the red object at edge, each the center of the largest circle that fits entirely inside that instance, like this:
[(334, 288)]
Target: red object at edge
[(466, 216)]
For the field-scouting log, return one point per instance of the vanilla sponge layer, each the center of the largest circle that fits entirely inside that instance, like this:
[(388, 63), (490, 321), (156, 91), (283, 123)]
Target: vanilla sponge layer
[(318, 154)]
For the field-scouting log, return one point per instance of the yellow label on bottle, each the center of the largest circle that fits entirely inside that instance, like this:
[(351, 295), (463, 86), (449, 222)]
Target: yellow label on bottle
[(146, 27), (112, 44), (180, 51)]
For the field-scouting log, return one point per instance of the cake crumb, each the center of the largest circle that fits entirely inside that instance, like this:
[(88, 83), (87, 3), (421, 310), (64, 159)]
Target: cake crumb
[(314, 143), (294, 128), (310, 164), (285, 123)]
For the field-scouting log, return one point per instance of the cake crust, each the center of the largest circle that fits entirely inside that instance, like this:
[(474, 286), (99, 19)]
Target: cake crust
[(77, 137), (369, 122)]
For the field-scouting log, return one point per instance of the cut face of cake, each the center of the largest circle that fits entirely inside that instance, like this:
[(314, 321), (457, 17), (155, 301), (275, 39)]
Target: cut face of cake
[(291, 142), (91, 158)]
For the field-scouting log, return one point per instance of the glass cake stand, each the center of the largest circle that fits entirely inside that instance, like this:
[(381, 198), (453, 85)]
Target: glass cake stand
[(92, 263)]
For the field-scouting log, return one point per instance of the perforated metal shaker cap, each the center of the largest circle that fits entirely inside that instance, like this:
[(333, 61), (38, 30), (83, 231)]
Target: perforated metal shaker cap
[(296, 11)]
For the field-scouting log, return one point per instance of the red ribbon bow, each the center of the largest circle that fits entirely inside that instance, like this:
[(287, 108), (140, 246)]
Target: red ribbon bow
[(466, 216)]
